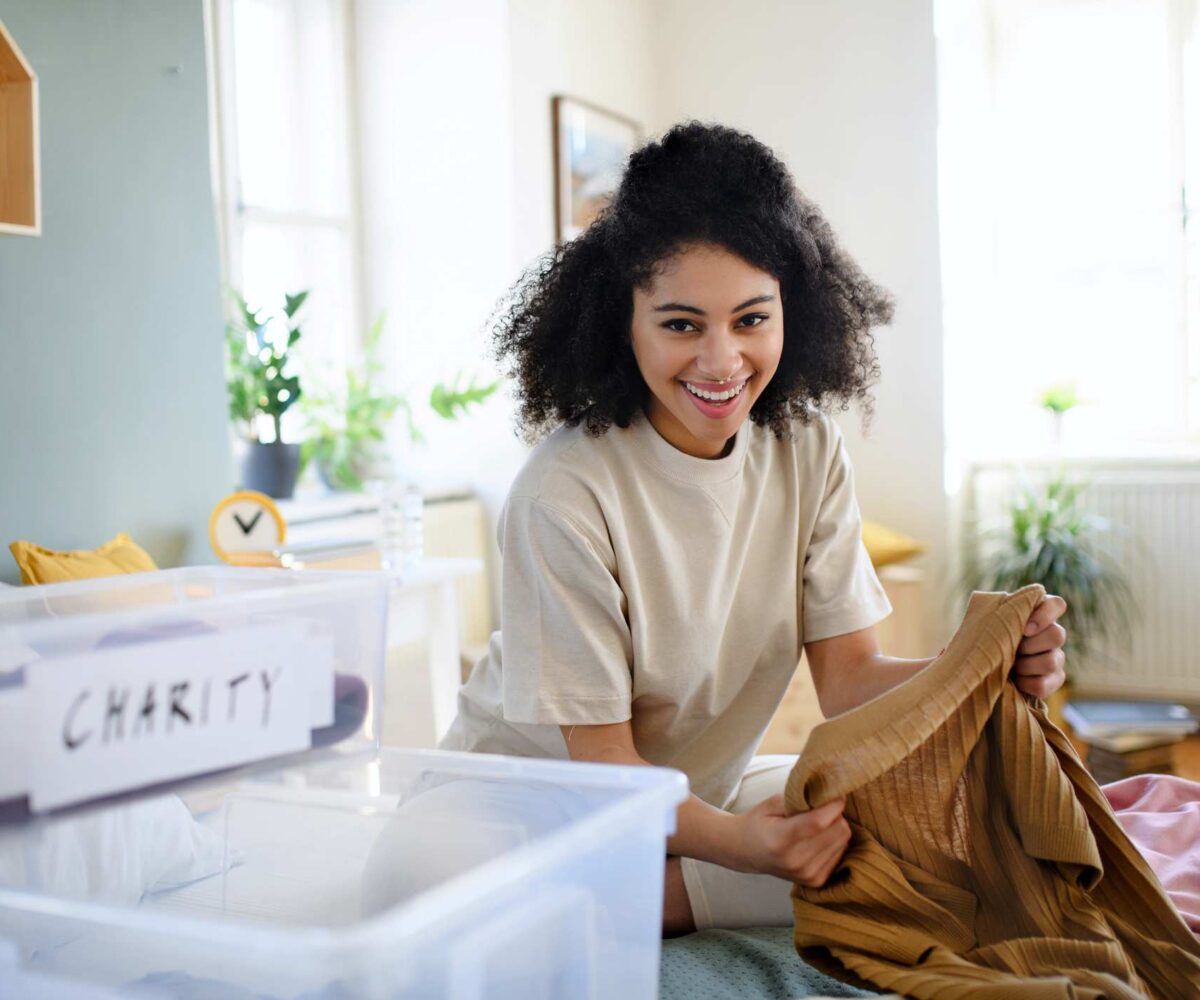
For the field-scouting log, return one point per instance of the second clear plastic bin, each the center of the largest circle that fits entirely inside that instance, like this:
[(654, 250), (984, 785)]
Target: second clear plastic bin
[(398, 873)]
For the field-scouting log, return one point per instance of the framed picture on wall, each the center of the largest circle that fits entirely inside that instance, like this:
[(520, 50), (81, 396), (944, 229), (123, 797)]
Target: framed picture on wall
[(590, 149)]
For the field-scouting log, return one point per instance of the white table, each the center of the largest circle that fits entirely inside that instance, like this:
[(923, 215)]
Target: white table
[(420, 697), (419, 704)]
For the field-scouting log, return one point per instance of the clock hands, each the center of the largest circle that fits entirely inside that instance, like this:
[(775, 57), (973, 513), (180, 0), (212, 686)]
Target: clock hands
[(247, 528)]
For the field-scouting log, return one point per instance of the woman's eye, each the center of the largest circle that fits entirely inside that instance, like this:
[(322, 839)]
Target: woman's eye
[(679, 325), (754, 319)]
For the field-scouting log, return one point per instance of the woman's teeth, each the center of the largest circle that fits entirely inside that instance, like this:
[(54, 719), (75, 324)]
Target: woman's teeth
[(715, 397)]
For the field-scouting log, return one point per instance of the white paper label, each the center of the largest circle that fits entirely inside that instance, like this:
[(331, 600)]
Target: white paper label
[(116, 719)]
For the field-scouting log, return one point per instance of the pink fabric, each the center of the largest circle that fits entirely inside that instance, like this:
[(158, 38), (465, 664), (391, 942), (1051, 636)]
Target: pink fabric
[(1161, 814)]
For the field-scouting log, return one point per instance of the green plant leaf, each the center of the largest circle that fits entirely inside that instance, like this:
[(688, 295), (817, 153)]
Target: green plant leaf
[(448, 402), (255, 385), (371, 342), (292, 303), (247, 317)]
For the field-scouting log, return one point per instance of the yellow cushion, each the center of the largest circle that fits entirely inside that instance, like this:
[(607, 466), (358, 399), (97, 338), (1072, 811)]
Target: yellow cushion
[(39, 565), (887, 546)]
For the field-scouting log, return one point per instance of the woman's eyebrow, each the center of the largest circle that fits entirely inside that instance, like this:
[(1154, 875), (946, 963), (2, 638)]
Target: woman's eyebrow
[(681, 307)]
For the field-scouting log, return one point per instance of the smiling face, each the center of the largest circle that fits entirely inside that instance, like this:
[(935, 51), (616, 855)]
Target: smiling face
[(707, 334)]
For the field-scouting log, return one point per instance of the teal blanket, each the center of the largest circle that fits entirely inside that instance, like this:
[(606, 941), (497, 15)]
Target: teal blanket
[(759, 963)]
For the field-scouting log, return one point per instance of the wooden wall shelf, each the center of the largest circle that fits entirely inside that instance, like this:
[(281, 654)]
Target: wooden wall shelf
[(20, 189)]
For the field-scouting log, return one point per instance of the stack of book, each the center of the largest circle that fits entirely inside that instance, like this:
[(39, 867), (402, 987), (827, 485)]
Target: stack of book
[(1129, 737)]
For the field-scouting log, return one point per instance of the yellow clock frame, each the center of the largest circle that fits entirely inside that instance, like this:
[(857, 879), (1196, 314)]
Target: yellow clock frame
[(248, 557)]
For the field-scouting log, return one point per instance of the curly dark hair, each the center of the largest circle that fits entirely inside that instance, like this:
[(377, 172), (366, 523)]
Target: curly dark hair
[(564, 328)]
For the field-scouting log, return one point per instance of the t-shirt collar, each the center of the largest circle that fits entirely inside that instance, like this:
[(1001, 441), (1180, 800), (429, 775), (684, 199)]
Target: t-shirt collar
[(680, 464)]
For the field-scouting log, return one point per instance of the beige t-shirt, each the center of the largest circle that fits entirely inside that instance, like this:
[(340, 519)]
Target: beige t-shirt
[(643, 583)]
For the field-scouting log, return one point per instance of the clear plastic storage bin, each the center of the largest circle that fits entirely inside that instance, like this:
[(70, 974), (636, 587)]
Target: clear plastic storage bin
[(112, 685), (388, 874)]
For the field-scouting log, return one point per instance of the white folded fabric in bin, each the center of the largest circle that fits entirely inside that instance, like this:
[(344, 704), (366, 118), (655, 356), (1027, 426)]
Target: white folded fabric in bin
[(116, 855)]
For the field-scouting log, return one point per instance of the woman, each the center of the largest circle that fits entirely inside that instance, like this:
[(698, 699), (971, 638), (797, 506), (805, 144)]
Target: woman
[(687, 524)]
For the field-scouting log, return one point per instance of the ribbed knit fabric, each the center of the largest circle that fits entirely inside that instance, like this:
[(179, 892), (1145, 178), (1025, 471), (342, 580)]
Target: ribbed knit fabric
[(984, 860)]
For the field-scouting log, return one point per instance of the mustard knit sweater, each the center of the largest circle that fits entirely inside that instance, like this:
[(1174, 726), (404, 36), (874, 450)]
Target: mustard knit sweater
[(984, 861)]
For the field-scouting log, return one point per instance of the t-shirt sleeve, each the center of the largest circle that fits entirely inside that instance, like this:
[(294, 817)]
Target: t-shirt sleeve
[(841, 591), (566, 651)]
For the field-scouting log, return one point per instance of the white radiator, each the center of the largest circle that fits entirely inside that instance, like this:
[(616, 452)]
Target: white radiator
[(1158, 505)]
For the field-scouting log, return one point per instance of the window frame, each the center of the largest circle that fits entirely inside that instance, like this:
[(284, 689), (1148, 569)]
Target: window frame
[(232, 212)]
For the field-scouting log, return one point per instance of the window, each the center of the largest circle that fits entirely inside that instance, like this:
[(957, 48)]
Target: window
[(1069, 137), (286, 190)]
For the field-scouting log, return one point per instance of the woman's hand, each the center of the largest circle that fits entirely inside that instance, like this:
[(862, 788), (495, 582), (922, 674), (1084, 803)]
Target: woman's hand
[(803, 848), (1038, 670)]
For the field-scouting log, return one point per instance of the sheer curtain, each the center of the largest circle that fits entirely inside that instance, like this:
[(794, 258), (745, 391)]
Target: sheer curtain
[(1063, 154)]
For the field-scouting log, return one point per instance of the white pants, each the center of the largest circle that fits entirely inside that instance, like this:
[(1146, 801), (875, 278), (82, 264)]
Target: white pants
[(721, 897)]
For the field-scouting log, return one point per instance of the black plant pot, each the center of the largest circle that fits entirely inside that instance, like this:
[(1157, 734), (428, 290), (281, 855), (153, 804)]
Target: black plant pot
[(271, 468)]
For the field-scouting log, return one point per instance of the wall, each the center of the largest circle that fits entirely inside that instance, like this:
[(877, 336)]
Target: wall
[(432, 82), (112, 400), (601, 51), (846, 93), (453, 105)]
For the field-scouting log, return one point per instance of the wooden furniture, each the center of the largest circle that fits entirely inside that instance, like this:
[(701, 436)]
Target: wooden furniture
[(1185, 754), (1187, 758), (900, 634), (20, 192)]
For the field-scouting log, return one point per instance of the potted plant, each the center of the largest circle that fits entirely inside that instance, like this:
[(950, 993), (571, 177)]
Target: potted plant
[(260, 383), (1047, 537), (346, 427)]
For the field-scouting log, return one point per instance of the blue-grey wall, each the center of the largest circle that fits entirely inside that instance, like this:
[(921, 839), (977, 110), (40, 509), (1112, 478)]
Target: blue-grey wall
[(112, 404)]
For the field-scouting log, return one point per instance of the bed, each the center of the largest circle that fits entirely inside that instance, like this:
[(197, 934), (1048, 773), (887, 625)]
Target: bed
[(759, 963)]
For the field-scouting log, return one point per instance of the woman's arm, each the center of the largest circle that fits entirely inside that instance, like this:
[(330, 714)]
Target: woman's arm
[(801, 848), (850, 669), (702, 831)]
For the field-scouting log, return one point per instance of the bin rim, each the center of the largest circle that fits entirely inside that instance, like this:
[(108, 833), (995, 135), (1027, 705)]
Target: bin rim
[(296, 585), (654, 789)]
